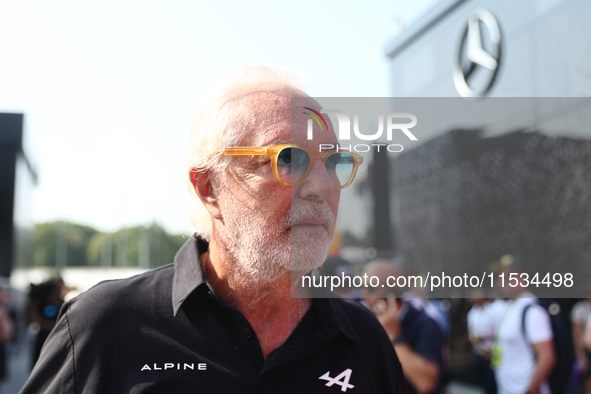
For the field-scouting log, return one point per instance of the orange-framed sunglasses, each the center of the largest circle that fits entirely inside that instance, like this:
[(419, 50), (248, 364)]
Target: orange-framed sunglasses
[(291, 163)]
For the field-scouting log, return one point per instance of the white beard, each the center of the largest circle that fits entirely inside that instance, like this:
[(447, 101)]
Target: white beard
[(264, 251), (309, 250)]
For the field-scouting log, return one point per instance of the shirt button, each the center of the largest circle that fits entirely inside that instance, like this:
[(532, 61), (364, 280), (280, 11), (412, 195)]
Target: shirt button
[(247, 333)]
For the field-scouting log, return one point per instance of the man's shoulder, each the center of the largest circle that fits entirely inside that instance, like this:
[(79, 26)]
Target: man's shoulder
[(418, 325), (351, 307), (371, 346), (528, 305), (362, 320), (155, 280), (113, 299), (534, 314), (418, 317)]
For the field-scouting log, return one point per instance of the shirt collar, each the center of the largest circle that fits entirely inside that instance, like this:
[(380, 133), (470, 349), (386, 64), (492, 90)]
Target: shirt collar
[(336, 319), (188, 275), (188, 272)]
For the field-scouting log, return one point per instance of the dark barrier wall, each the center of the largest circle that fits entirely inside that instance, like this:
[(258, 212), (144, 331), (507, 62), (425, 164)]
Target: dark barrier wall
[(468, 200), (11, 132)]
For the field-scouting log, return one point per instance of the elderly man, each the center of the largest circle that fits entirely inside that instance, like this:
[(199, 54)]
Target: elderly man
[(222, 318)]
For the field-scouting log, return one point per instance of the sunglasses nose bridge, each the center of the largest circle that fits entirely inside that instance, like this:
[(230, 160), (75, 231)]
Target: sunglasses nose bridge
[(322, 156)]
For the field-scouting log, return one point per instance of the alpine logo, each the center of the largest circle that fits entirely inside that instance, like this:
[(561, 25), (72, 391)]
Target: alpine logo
[(341, 379), (174, 366)]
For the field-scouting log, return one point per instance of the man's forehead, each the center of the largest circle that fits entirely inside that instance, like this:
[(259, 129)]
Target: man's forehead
[(274, 117), (277, 103), (267, 102)]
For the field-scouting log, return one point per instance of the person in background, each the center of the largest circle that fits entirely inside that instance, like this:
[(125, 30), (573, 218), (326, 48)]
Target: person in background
[(45, 301), (579, 317), (586, 341), (432, 307), (481, 341), (523, 353), (417, 338), (6, 332)]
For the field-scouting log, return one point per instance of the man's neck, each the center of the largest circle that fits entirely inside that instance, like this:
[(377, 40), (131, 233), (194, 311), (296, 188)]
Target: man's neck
[(267, 305)]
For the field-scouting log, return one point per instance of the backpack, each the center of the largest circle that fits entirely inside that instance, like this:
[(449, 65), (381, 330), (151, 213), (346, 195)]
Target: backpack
[(563, 348)]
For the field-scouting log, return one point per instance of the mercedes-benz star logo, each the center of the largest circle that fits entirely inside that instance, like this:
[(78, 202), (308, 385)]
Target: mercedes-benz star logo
[(474, 54)]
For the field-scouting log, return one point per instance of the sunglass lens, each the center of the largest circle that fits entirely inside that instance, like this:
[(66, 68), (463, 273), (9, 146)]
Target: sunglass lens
[(292, 164), (340, 167)]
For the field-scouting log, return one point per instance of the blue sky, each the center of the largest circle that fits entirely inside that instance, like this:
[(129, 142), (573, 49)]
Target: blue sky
[(109, 88)]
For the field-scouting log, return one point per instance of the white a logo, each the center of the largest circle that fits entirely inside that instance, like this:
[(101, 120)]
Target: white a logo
[(341, 379)]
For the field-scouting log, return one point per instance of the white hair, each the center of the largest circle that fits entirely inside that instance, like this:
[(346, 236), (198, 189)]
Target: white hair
[(222, 120)]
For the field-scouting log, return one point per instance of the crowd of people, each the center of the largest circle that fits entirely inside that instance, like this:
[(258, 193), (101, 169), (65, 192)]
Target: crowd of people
[(520, 344)]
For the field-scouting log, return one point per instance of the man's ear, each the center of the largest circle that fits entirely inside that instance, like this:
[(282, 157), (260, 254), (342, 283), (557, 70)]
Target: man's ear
[(201, 182)]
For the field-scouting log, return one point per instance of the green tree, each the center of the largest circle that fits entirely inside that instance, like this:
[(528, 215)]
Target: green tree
[(139, 246), (59, 244)]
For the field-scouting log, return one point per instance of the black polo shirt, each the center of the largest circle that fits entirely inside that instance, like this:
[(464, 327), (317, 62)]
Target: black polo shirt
[(166, 331)]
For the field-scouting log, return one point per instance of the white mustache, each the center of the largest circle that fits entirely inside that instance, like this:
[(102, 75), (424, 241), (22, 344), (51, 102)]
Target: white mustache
[(310, 209)]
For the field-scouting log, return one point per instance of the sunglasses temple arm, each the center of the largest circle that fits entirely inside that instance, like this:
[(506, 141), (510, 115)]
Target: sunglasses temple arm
[(244, 151)]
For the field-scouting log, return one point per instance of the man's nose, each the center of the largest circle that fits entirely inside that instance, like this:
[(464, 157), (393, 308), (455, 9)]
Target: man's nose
[(318, 185)]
